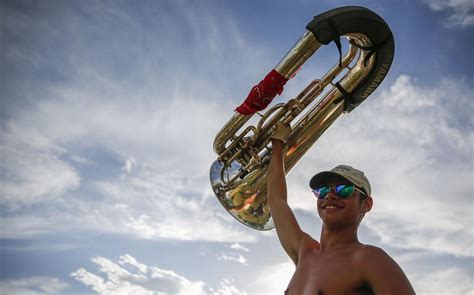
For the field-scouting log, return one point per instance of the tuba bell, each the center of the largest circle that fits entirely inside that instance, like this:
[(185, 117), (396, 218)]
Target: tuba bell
[(238, 176)]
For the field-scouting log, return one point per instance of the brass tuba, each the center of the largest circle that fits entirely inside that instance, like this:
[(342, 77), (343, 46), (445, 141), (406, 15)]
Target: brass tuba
[(238, 176)]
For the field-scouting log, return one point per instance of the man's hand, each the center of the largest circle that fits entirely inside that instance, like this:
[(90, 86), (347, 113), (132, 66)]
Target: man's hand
[(282, 131)]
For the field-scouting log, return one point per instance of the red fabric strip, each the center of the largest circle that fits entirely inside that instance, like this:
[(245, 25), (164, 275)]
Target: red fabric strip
[(263, 93)]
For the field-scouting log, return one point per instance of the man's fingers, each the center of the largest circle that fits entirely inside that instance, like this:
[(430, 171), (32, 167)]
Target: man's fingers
[(282, 131)]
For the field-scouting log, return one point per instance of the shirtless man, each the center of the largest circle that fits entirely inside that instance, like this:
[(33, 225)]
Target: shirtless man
[(339, 263)]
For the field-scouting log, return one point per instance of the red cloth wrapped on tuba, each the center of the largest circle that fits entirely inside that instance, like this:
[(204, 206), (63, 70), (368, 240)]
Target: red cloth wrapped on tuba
[(263, 93)]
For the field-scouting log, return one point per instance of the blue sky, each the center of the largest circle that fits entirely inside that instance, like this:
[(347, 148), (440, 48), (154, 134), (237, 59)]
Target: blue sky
[(108, 114)]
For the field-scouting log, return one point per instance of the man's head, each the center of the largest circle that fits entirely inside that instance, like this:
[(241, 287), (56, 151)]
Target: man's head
[(343, 194), (354, 176)]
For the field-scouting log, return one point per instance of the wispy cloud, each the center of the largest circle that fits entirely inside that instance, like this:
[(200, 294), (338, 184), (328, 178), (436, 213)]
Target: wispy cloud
[(148, 205), (436, 273), (33, 286), (235, 254), (231, 257), (129, 260), (127, 149), (32, 170), (237, 246), (118, 278), (447, 281), (226, 287), (461, 12), (173, 207), (127, 168), (273, 278)]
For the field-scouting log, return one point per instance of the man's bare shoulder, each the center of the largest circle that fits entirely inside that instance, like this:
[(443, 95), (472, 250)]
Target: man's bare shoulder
[(371, 258), (368, 254), (368, 251), (381, 271)]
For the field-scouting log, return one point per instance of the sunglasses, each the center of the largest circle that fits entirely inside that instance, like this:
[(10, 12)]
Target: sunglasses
[(343, 191)]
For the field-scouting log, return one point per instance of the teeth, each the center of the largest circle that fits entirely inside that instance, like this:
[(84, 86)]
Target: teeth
[(331, 207)]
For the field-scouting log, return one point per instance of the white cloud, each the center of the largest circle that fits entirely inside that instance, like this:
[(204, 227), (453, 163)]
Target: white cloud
[(104, 286), (234, 255), (127, 168), (148, 205), (461, 12), (33, 286), (237, 246), (230, 257), (25, 226), (430, 273), (157, 123), (121, 206), (32, 170), (273, 278), (129, 260), (173, 207), (415, 145), (148, 280), (443, 281), (226, 287)]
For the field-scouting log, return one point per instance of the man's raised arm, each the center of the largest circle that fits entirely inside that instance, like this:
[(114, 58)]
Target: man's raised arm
[(287, 227)]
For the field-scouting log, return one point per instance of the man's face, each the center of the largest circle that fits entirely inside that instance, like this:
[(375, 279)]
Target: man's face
[(334, 210)]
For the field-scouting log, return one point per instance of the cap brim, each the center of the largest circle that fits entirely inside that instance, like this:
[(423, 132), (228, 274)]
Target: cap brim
[(323, 177)]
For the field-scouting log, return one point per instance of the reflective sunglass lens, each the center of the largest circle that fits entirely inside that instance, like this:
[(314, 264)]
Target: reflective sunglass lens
[(321, 192), (344, 191)]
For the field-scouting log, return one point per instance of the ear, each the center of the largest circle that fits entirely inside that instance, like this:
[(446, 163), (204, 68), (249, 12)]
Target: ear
[(367, 204)]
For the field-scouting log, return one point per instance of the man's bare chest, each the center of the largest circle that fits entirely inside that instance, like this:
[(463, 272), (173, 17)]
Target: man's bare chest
[(334, 273)]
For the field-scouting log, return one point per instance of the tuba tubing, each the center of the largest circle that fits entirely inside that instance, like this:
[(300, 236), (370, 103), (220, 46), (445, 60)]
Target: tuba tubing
[(238, 176)]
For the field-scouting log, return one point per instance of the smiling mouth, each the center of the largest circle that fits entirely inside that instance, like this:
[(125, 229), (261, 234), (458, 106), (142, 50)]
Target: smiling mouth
[(331, 207)]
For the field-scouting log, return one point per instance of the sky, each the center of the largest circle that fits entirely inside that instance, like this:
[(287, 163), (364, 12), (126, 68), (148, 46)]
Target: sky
[(108, 114)]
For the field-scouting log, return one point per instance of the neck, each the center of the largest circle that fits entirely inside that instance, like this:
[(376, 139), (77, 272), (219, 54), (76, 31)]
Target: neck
[(334, 237)]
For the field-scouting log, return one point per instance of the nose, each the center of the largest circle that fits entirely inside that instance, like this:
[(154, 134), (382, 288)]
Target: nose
[(331, 195)]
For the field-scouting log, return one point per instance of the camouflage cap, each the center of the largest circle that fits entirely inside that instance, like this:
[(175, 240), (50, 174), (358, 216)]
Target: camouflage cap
[(349, 173)]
